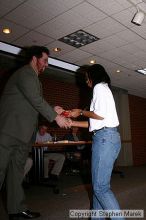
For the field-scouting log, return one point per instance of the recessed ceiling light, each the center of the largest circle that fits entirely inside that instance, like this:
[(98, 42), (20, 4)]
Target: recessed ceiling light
[(92, 61), (56, 49), (7, 30), (118, 71)]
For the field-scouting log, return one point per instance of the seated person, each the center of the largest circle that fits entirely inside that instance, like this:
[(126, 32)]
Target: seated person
[(76, 153), (42, 137), (73, 136)]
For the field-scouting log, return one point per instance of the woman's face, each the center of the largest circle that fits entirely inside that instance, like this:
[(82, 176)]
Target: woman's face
[(88, 81)]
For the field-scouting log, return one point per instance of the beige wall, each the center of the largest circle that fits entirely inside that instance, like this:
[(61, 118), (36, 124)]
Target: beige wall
[(122, 103)]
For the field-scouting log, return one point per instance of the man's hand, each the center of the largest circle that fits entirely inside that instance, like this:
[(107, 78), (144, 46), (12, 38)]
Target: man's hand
[(63, 122), (58, 109)]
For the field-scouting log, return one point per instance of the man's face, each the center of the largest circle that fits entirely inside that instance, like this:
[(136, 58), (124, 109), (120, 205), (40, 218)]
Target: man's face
[(74, 130), (42, 63), (42, 130)]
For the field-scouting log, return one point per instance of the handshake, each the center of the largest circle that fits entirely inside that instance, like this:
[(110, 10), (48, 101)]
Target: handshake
[(63, 118)]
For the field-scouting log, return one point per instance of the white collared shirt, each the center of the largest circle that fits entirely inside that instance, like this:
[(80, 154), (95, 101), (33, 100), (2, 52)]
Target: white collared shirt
[(103, 104), (43, 138)]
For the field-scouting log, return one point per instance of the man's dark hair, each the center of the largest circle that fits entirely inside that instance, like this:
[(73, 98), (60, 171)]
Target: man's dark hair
[(97, 74), (28, 52)]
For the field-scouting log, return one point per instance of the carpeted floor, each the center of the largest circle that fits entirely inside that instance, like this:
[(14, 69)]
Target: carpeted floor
[(75, 193)]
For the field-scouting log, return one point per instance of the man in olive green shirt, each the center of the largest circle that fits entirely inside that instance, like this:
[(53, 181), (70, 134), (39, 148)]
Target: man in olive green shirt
[(20, 104)]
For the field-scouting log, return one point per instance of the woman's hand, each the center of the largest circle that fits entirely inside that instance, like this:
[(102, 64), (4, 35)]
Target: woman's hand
[(74, 113)]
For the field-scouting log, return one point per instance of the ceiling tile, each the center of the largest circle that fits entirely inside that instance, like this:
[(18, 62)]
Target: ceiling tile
[(88, 13), (98, 47), (104, 45), (105, 28), (8, 5), (141, 44), (63, 26), (80, 16), (42, 11), (53, 7), (115, 41), (114, 54), (128, 36), (124, 3), (23, 15), (140, 30), (74, 55), (140, 56), (32, 38), (110, 7), (130, 48), (136, 1)]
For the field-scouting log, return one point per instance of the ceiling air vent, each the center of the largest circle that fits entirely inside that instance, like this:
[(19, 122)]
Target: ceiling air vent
[(79, 38)]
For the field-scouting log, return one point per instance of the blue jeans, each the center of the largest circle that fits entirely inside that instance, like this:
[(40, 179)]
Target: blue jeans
[(105, 149)]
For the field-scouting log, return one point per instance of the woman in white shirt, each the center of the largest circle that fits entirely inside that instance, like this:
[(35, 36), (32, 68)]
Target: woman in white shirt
[(106, 143)]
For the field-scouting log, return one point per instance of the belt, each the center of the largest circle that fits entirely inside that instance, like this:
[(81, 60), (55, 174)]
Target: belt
[(94, 131)]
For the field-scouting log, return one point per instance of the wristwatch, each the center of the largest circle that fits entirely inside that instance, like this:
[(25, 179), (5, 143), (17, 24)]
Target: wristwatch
[(81, 112)]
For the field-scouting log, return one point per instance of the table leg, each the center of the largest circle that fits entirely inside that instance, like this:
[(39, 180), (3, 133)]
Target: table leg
[(34, 156), (38, 158), (41, 163)]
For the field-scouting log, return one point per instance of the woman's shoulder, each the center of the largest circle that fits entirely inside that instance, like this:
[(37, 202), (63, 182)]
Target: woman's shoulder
[(100, 86)]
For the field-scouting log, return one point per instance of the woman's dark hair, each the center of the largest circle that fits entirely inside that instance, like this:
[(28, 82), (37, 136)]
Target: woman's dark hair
[(81, 74), (28, 52), (83, 69), (97, 74)]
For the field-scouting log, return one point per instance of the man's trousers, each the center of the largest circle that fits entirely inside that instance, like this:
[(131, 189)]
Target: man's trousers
[(13, 155)]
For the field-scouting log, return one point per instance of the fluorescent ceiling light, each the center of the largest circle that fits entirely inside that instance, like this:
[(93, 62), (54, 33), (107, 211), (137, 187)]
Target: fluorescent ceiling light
[(15, 50), (142, 71), (62, 64), (9, 48)]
